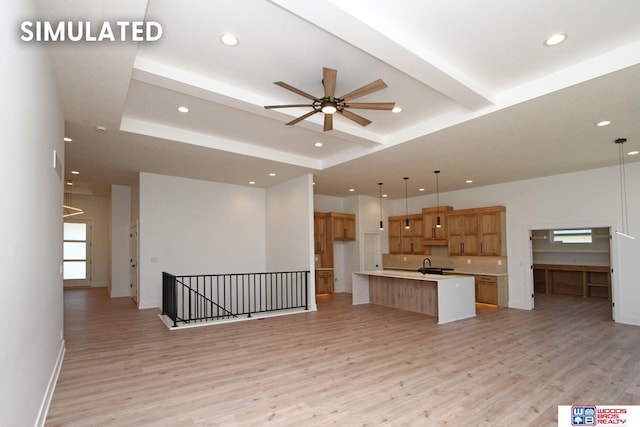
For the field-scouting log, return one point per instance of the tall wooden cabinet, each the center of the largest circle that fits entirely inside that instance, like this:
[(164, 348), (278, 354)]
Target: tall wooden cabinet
[(329, 227), (323, 244), (479, 231)]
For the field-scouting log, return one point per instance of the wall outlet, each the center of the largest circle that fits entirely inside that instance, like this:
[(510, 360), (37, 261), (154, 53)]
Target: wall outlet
[(405, 258), (499, 262), (468, 261)]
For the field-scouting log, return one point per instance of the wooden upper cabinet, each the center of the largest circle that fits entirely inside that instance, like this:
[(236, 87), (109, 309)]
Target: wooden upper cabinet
[(463, 234), (479, 231), (432, 234), (395, 225), (404, 240), (344, 226), (490, 233)]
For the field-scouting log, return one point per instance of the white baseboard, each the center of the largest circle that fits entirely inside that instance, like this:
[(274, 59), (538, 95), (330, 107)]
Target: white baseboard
[(53, 380)]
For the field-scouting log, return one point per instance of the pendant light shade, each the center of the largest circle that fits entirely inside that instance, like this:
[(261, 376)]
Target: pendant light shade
[(623, 192), (438, 224), (381, 223), (406, 204)]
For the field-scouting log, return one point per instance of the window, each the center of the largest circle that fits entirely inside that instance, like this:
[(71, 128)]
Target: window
[(582, 235), (75, 251)]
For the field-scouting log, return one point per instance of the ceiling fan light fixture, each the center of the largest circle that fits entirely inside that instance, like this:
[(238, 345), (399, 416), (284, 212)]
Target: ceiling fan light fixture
[(396, 109), (329, 104), (329, 108)]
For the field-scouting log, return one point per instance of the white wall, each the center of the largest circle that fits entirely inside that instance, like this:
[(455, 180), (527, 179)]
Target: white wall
[(289, 234), (96, 209), (31, 252), (581, 199), (120, 228), (289, 217), (189, 226)]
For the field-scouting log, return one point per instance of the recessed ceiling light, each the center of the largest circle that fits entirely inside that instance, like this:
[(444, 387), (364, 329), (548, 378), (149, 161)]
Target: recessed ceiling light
[(229, 39), (272, 174), (603, 123), (420, 189), (67, 139), (183, 109), (69, 183), (352, 189), (632, 153), (318, 144), (385, 195), (101, 129), (396, 109), (555, 39), (252, 182), (469, 181), (75, 173)]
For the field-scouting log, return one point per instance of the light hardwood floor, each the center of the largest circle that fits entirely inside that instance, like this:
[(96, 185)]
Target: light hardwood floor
[(343, 365)]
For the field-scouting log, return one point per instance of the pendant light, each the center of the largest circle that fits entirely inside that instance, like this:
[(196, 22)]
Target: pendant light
[(406, 204), (623, 191), (438, 225), (381, 223), (67, 208)]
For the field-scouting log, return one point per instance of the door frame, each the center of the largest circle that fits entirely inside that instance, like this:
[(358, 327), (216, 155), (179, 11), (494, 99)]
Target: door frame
[(569, 225)]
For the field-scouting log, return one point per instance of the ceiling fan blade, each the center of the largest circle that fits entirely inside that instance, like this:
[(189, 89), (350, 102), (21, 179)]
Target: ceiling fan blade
[(301, 118), (295, 90), (288, 106), (387, 106), (353, 116), (329, 82), (365, 90), (328, 122)]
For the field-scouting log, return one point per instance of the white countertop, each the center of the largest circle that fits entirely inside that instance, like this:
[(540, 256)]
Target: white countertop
[(413, 275), (457, 271)]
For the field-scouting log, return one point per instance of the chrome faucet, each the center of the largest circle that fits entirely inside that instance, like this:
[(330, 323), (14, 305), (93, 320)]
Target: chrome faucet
[(426, 259)]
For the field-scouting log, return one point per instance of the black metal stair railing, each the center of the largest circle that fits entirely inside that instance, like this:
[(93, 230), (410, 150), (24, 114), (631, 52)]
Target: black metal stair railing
[(198, 298)]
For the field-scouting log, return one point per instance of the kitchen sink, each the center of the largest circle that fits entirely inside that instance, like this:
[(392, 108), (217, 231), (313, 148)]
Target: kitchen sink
[(434, 270)]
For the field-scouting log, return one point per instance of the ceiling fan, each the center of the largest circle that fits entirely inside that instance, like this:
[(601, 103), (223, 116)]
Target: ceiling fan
[(330, 104)]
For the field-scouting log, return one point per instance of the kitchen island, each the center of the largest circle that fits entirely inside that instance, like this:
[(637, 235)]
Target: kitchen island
[(448, 298)]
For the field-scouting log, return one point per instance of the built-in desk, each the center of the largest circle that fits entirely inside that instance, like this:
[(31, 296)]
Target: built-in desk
[(585, 280)]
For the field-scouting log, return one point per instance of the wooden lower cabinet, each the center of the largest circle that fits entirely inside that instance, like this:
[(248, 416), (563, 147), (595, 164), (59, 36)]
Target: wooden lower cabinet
[(491, 289), (486, 289), (324, 281)]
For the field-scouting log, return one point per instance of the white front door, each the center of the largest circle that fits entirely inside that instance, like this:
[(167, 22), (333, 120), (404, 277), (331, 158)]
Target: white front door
[(76, 253)]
